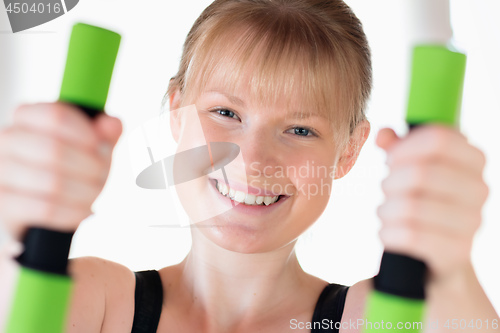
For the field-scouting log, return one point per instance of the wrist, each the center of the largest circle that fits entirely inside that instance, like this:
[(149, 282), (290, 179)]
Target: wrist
[(455, 282)]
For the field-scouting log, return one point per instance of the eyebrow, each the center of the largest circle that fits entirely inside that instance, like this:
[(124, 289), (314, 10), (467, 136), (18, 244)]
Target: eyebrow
[(233, 99), (305, 115), (294, 115)]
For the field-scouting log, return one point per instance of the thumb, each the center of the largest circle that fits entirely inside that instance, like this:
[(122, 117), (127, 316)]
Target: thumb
[(386, 138), (108, 129)]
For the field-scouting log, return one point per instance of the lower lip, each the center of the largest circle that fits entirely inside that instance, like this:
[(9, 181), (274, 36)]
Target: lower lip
[(247, 209)]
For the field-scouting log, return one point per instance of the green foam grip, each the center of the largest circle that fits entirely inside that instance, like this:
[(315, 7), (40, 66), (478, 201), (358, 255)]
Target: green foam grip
[(42, 298), (435, 97), (41, 302), (388, 312), (437, 78), (91, 57)]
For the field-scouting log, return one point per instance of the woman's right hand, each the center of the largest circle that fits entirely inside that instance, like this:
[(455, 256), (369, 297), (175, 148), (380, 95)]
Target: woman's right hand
[(54, 162)]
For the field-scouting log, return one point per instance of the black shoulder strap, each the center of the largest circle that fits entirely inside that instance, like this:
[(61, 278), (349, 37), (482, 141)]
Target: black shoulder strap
[(148, 302), (329, 309)]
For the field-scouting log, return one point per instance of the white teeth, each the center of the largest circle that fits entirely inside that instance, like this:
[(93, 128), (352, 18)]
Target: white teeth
[(222, 188), (273, 200), (242, 197), (250, 199), (225, 190), (239, 196), (268, 200)]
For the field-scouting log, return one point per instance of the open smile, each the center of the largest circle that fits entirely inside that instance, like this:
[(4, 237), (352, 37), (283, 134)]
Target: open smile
[(248, 202), (246, 198)]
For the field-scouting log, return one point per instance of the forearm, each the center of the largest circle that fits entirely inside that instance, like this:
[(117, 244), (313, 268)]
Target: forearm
[(457, 301)]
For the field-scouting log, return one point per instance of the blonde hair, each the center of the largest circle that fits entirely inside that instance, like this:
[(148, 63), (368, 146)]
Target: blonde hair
[(312, 52)]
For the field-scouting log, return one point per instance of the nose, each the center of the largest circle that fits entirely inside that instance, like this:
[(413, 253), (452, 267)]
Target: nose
[(261, 152)]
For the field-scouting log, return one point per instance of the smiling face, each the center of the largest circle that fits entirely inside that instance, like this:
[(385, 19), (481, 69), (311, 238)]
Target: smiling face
[(285, 153), (282, 155), (289, 100)]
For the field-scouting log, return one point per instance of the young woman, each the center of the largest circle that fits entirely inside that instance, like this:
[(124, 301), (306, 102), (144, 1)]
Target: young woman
[(287, 81)]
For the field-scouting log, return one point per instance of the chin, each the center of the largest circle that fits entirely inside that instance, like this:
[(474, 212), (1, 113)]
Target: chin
[(241, 238), (236, 237)]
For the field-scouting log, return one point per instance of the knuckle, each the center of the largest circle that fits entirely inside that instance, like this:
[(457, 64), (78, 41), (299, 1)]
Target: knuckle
[(419, 175), (20, 109), (95, 190), (481, 157), (476, 220), (381, 211), (486, 191), (54, 152), (407, 223), (54, 185), (483, 192), (440, 141), (409, 212), (6, 135), (385, 185), (57, 114)]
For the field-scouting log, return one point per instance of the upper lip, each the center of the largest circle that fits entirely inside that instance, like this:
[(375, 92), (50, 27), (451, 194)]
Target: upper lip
[(249, 189)]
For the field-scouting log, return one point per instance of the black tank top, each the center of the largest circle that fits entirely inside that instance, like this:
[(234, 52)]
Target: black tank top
[(149, 300)]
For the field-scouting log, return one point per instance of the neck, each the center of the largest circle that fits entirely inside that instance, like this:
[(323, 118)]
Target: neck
[(234, 287)]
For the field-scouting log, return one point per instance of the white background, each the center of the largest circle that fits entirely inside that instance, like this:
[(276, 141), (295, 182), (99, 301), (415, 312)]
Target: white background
[(342, 246)]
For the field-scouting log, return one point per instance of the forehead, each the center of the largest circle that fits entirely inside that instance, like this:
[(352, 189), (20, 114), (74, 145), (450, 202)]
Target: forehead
[(267, 70)]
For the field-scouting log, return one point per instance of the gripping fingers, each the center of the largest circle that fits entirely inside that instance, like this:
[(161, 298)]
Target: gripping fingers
[(48, 152), (17, 209), (32, 181), (434, 142), (437, 180), (64, 121), (424, 214), (454, 251)]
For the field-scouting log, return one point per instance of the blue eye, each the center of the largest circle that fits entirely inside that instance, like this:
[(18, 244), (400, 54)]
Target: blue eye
[(303, 131), (227, 113)]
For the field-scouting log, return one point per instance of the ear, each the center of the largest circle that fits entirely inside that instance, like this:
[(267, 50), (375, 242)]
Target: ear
[(175, 117), (352, 150)]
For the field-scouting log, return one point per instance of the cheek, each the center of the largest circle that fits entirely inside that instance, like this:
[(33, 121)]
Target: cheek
[(194, 197), (312, 179), (313, 186), (312, 198), (191, 133), (212, 129)]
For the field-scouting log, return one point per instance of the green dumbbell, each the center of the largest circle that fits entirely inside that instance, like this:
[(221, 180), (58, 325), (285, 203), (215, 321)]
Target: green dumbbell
[(43, 292), (435, 98)]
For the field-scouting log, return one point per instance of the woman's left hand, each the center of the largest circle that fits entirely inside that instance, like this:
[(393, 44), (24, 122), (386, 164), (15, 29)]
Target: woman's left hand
[(434, 197)]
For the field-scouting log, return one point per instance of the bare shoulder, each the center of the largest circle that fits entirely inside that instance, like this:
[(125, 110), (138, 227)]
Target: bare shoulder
[(355, 303), (103, 296)]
